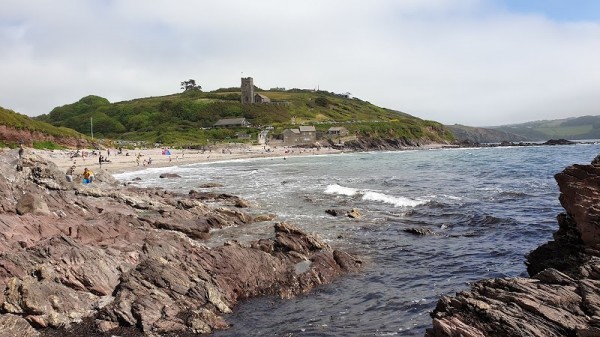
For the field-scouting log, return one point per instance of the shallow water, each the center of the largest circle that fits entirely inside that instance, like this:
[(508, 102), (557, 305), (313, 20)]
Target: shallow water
[(488, 206)]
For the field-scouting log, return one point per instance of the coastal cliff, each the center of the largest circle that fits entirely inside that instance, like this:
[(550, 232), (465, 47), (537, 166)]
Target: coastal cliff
[(103, 257), (388, 144), (562, 297)]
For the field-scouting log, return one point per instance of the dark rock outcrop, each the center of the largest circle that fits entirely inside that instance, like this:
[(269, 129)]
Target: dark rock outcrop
[(169, 175), (382, 144), (422, 231), (210, 185), (562, 298), (352, 213), (559, 142), (108, 257)]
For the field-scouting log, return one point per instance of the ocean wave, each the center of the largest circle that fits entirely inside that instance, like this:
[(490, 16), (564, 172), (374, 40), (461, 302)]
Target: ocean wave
[(337, 189), (396, 201), (375, 196)]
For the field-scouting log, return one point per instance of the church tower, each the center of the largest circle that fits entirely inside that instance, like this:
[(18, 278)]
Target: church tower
[(247, 90)]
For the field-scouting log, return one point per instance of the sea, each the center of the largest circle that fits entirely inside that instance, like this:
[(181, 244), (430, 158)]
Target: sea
[(487, 208)]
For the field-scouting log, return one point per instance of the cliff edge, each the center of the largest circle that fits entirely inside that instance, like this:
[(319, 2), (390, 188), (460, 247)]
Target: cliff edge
[(562, 297)]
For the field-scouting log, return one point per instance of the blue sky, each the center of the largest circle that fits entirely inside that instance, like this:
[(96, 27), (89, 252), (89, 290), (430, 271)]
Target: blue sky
[(473, 62), (560, 10)]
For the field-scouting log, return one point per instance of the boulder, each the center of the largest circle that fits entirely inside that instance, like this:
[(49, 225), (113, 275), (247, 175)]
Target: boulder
[(334, 212), (354, 214), (32, 203)]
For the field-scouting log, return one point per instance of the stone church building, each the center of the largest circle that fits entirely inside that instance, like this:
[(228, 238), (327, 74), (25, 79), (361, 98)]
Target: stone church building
[(248, 95)]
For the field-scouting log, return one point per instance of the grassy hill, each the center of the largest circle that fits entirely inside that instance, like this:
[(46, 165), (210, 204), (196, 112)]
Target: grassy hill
[(187, 118), (586, 127), (16, 128), (474, 135)]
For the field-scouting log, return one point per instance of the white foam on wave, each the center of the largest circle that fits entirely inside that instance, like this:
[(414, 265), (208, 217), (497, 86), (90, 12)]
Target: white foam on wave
[(396, 201), (374, 196), (337, 189)]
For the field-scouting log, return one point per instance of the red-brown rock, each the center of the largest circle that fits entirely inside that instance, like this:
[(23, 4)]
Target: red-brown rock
[(111, 256)]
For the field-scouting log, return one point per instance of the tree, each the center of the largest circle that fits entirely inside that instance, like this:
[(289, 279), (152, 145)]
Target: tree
[(322, 101), (190, 85)]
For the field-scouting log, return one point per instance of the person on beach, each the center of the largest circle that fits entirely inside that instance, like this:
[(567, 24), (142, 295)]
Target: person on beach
[(70, 173), (100, 161), (88, 176)]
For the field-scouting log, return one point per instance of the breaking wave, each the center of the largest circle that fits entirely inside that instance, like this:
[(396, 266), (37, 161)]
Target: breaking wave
[(374, 196), (337, 189)]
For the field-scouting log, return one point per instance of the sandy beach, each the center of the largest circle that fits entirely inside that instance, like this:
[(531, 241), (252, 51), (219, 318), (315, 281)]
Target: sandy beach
[(137, 159)]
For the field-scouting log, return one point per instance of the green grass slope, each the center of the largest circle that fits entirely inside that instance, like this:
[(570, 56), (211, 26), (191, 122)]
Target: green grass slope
[(18, 127), (475, 135), (188, 117), (586, 127)]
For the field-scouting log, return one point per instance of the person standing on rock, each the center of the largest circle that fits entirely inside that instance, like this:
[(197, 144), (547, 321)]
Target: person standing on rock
[(100, 161)]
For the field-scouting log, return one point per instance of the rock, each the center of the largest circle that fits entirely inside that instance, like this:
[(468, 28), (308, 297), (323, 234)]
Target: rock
[(169, 175), (137, 179), (30, 203), (563, 296), (265, 217), (241, 203), (559, 142), (354, 214), (333, 212), (419, 231), (105, 326), (15, 326), (210, 185), (133, 257), (579, 196)]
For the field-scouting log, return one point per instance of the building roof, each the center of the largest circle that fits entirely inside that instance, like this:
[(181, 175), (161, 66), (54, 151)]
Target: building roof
[(261, 96), (307, 128), (337, 128), (292, 130), (231, 121)]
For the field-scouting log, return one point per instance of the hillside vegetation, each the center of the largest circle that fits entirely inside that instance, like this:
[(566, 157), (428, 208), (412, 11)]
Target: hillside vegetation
[(586, 127), (188, 117), (16, 128), (476, 135)]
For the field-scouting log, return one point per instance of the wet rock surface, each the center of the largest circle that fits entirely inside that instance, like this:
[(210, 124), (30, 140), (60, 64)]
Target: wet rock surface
[(562, 297), (103, 259)]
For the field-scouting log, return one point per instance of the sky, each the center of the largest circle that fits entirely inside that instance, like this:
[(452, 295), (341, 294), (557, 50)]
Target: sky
[(471, 62)]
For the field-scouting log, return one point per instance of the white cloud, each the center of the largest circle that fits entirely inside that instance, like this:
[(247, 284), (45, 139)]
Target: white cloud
[(454, 61)]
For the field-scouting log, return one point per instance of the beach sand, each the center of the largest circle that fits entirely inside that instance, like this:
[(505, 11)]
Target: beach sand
[(127, 161)]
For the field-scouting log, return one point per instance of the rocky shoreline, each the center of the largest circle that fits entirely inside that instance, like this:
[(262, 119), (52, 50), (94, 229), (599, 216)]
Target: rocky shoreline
[(562, 297), (104, 259)]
